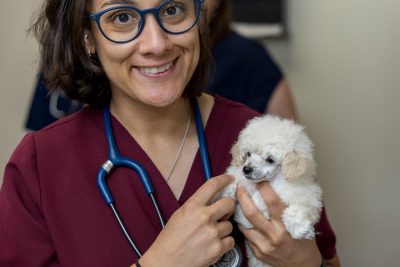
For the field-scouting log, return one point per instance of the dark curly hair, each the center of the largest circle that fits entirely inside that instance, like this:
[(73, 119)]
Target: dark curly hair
[(65, 65)]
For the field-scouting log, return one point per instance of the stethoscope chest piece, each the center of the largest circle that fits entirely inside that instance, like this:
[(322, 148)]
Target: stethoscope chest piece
[(233, 258)]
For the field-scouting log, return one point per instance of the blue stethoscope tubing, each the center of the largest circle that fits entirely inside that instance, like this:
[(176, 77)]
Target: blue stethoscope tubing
[(116, 160)]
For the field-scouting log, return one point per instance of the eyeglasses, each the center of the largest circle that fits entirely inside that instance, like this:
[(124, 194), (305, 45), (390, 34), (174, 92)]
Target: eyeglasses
[(122, 24)]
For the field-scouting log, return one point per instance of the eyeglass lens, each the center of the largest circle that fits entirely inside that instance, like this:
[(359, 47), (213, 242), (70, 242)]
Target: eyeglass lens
[(124, 23)]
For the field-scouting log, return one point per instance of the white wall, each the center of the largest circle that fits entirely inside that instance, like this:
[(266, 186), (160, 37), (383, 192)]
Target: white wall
[(342, 60), (343, 63), (18, 64)]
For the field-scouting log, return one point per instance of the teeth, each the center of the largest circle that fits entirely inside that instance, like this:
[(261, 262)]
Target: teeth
[(156, 70)]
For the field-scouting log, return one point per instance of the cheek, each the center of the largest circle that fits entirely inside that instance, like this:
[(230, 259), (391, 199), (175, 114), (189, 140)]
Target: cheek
[(109, 53), (113, 59), (190, 42)]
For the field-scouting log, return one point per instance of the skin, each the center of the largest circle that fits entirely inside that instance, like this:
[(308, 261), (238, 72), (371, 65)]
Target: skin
[(205, 237), (281, 102), (125, 63)]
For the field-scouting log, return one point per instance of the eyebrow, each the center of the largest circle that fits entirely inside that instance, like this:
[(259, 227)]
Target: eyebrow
[(121, 2)]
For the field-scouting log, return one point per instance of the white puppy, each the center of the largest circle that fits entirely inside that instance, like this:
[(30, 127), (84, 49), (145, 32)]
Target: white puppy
[(279, 151)]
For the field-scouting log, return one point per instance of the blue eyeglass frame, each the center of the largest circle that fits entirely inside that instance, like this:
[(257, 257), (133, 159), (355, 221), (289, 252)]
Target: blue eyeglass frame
[(156, 13)]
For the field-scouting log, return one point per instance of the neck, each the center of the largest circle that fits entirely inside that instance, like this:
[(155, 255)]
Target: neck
[(142, 120)]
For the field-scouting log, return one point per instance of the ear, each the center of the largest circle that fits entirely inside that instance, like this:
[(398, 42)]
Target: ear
[(237, 156), (89, 43), (294, 165)]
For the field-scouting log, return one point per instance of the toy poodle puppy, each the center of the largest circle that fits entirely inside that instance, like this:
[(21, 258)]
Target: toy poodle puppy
[(278, 151)]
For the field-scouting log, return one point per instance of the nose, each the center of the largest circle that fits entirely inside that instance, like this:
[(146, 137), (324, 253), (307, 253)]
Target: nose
[(247, 169), (153, 39)]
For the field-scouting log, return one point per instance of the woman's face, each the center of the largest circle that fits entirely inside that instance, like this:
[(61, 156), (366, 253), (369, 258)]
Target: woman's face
[(154, 68)]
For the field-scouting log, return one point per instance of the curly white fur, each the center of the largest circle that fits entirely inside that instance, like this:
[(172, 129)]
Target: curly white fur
[(279, 151)]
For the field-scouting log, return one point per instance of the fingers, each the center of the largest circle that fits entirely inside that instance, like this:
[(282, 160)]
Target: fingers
[(224, 229), (250, 211), (274, 203), (227, 243), (273, 229), (222, 209), (253, 235), (206, 192), (220, 248)]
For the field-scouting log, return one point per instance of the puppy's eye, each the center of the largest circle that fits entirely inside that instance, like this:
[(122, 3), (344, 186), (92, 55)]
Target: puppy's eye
[(270, 160), (248, 154)]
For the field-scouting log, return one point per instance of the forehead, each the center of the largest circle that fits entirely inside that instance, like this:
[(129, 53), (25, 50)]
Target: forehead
[(103, 4)]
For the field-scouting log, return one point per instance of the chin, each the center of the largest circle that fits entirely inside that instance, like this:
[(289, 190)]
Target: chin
[(162, 99)]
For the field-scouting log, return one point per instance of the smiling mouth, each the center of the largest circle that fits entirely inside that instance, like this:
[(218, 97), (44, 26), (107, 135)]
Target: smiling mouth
[(157, 70)]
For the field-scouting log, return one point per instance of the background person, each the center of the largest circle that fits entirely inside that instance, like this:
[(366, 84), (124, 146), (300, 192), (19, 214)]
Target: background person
[(244, 70)]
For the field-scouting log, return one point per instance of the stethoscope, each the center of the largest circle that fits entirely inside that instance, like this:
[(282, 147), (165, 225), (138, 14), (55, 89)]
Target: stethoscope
[(115, 160)]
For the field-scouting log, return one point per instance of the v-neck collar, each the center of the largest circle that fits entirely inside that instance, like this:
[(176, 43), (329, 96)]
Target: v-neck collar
[(166, 199)]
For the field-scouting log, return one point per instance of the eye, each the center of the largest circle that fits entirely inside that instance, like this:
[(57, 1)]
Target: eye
[(270, 160), (124, 17), (172, 9), (248, 154)]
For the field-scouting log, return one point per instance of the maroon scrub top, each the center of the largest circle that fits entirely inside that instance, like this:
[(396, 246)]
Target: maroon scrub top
[(51, 211)]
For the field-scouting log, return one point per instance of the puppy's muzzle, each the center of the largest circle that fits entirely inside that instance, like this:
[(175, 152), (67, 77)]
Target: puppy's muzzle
[(248, 171)]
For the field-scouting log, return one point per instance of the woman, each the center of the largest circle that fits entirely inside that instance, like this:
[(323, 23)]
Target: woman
[(145, 60)]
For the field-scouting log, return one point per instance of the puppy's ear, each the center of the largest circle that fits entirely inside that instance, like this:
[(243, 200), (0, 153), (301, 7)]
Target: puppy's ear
[(294, 165), (237, 155)]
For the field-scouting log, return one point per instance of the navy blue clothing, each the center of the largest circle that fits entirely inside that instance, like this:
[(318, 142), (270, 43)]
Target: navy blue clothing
[(47, 107), (244, 72)]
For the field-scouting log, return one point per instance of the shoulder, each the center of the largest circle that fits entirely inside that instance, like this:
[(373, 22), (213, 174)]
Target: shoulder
[(58, 148), (232, 112), (237, 42), (246, 58), (79, 125), (60, 142), (241, 47), (228, 118)]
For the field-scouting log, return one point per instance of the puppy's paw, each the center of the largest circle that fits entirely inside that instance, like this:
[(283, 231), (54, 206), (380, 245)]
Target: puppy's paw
[(228, 191), (301, 232), (298, 222), (241, 219), (260, 203)]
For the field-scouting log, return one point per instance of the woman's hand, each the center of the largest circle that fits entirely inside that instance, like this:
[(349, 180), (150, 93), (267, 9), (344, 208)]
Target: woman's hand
[(197, 234), (269, 240)]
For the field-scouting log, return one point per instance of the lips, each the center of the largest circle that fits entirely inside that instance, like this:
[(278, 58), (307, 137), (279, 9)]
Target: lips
[(156, 69)]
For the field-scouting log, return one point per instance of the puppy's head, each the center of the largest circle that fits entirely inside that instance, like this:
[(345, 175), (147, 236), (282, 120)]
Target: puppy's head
[(270, 147)]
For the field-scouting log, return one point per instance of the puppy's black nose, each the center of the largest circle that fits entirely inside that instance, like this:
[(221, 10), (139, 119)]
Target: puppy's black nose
[(247, 169)]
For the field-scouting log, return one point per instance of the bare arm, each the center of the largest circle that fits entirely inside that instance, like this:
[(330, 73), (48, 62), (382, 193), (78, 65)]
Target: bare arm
[(333, 262), (281, 102)]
